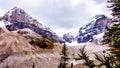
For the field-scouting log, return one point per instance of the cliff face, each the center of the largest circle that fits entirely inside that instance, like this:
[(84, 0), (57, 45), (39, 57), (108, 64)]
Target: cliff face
[(18, 19), (95, 27)]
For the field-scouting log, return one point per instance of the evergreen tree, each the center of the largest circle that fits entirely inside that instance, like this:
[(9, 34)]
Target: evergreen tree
[(112, 36), (33, 66), (64, 57), (105, 60), (83, 55), (115, 7)]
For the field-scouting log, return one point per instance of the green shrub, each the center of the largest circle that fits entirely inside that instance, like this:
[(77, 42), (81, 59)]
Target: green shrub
[(42, 43), (64, 57)]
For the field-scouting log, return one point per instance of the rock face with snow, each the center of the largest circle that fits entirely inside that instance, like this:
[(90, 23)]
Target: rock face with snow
[(27, 33), (18, 19), (95, 27), (68, 37)]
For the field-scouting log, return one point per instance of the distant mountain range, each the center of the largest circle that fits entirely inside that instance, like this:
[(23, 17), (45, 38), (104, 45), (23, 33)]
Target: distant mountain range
[(17, 18)]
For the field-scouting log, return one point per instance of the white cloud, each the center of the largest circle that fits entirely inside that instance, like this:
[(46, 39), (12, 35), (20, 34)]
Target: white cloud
[(31, 3), (2, 24), (2, 12), (76, 2), (94, 8)]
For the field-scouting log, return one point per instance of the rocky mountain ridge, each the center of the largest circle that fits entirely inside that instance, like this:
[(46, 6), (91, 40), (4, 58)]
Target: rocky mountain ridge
[(18, 19)]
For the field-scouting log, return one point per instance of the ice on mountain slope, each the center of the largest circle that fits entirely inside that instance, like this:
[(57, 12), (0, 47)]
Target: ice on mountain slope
[(75, 44), (2, 24), (99, 36)]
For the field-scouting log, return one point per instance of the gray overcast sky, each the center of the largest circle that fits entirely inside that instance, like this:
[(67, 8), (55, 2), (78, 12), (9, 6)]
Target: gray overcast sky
[(62, 16)]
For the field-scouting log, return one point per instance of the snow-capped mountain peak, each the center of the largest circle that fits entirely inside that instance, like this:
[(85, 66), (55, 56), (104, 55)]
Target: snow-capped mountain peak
[(17, 18), (19, 15), (96, 26)]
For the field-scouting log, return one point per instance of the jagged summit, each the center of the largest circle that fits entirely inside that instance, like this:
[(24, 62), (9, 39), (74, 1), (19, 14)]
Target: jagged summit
[(100, 16), (96, 26), (18, 15), (17, 18)]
